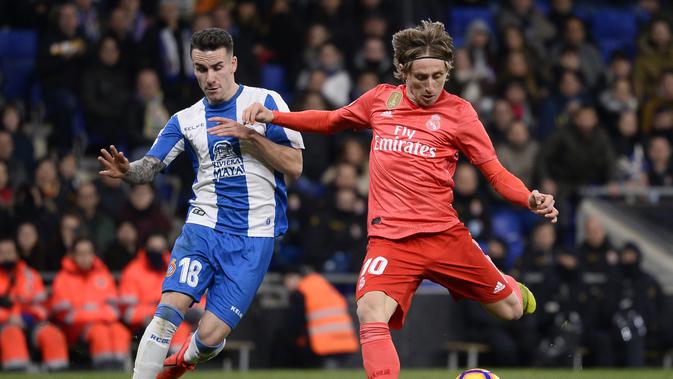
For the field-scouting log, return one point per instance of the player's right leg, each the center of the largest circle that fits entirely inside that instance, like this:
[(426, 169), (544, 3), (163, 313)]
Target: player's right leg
[(189, 274), (155, 341), (379, 355)]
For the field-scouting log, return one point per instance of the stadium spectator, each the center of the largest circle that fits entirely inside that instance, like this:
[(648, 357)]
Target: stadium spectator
[(43, 199), (69, 229), (284, 30), (620, 67), (373, 57), (105, 94), (471, 203), (164, 46), (88, 19), (23, 316), (480, 47), (112, 192), (500, 120), (84, 302), (518, 152), (512, 40), (29, 246), (249, 48), (578, 154), (140, 288), (364, 81), (655, 57), (516, 94), (337, 83), (559, 12), (318, 331), (515, 67), (60, 63), (100, 226), (354, 154), (6, 202), (599, 261), (556, 110), (629, 150), (13, 122), (215, 251), (522, 13), (660, 164), (423, 58), (119, 28), (617, 99), (316, 35), (662, 100), (147, 112), (139, 22), (123, 248), (575, 37), (472, 84), (562, 325), (15, 167), (144, 211), (640, 311)]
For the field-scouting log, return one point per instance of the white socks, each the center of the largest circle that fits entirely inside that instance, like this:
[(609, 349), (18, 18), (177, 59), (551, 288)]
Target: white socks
[(199, 352), (155, 342)]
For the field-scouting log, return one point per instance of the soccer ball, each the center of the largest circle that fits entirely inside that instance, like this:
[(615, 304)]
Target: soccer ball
[(477, 373)]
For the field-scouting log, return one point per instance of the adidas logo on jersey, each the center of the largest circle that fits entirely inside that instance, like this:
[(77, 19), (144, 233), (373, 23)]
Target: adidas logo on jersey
[(387, 114), (498, 287)]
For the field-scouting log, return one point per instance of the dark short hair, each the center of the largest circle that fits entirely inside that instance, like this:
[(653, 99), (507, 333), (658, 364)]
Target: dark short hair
[(210, 39)]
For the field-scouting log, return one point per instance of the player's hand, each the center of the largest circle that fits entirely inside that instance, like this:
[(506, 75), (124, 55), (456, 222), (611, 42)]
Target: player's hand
[(230, 128), (257, 113), (114, 163), (543, 204)]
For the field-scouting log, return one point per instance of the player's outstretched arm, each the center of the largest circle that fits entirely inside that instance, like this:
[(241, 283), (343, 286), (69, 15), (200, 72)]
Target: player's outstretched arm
[(542, 204), (257, 113), (116, 165), (512, 189)]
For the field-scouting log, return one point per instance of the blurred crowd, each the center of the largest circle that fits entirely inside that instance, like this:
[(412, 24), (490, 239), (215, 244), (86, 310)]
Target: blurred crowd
[(564, 109)]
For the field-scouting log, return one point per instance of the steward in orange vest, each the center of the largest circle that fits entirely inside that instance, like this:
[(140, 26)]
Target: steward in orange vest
[(23, 314), (84, 301), (140, 288), (329, 328)]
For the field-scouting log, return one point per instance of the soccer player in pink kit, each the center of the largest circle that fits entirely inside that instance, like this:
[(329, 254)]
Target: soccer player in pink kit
[(414, 232)]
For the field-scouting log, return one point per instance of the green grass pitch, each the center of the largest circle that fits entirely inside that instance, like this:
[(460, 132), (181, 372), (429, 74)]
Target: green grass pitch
[(358, 374)]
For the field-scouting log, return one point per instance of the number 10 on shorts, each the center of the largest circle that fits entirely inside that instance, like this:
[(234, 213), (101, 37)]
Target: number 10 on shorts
[(189, 273), (374, 266)]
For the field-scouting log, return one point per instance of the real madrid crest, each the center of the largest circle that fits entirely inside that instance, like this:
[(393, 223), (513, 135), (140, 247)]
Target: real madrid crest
[(394, 100), (433, 123)]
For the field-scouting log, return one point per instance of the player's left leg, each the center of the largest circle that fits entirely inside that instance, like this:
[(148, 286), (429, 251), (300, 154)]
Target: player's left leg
[(470, 274)]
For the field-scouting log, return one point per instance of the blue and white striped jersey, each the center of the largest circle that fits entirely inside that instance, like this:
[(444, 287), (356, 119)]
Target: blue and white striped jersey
[(234, 191)]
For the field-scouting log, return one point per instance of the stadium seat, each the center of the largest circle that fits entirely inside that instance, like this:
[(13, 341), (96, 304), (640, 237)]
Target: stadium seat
[(274, 77), (18, 49), (461, 17), (507, 225), (614, 29)]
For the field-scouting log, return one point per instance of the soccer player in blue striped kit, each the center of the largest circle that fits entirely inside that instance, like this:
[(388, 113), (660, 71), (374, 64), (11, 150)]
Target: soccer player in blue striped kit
[(237, 210)]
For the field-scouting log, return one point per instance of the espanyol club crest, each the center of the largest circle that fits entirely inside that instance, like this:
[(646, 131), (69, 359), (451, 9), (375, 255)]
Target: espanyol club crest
[(171, 268), (433, 123)]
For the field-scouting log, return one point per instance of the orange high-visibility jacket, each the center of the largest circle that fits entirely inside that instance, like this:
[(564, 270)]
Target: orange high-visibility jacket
[(140, 289), (26, 292), (330, 326), (81, 297)]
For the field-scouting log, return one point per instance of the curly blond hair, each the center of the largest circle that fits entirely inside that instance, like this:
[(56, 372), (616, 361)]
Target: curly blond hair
[(429, 39)]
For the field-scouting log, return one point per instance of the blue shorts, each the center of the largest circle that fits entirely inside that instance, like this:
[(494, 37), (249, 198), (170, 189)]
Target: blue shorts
[(229, 266)]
